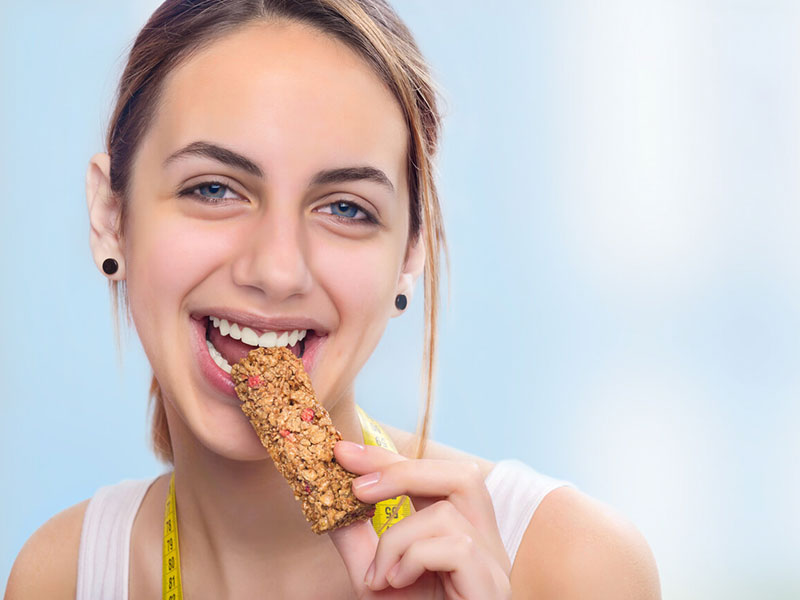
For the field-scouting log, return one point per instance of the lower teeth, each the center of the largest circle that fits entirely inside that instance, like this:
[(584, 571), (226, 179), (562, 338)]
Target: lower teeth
[(218, 358)]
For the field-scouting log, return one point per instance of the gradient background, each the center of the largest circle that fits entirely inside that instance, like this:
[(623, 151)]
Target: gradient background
[(621, 184)]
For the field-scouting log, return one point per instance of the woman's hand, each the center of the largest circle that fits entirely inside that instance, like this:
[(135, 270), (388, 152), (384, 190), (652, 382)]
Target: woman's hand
[(449, 548)]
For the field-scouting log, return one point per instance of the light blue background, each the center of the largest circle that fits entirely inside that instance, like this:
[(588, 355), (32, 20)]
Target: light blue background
[(621, 184)]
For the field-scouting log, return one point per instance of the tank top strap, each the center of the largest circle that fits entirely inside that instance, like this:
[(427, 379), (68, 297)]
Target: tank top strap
[(104, 553), (517, 490)]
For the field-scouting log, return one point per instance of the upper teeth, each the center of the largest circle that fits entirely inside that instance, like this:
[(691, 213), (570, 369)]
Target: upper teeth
[(251, 338)]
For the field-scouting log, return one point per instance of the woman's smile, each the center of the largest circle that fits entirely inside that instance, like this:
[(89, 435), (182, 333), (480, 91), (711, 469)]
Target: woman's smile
[(230, 338)]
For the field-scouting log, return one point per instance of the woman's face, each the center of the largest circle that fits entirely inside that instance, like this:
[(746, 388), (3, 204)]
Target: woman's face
[(270, 191)]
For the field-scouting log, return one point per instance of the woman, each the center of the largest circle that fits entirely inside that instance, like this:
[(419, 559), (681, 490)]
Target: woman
[(269, 167)]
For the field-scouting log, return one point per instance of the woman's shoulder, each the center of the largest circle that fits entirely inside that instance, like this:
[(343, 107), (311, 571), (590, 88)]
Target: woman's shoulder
[(578, 547), (574, 545), (46, 567)]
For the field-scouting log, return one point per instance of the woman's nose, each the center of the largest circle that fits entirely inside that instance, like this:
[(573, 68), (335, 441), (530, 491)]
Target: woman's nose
[(273, 259)]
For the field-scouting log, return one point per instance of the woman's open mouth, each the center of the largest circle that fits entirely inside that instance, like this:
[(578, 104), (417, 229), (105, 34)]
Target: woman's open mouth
[(230, 342)]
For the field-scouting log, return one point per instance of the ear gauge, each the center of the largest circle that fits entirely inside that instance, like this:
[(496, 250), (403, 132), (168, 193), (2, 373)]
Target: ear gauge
[(110, 266), (401, 302)]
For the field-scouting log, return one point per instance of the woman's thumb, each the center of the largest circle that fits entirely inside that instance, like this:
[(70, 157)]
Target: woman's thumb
[(356, 544)]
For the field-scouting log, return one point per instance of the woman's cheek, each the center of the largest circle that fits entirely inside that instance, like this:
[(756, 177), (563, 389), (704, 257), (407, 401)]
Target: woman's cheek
[(168, 259), (358, 275)]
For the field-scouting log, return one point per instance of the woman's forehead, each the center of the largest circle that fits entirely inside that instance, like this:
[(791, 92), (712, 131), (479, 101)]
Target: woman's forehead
[(282, 94)]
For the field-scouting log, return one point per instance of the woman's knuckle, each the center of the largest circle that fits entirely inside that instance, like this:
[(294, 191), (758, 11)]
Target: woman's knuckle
[(471, 475), (413, 555), (444, 511), (464, 544)]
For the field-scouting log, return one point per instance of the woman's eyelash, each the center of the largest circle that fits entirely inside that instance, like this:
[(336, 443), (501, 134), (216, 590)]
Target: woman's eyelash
[(368, 218), (192, 191)]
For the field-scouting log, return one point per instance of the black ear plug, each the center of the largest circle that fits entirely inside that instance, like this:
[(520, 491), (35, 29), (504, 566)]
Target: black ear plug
[(110, 266)]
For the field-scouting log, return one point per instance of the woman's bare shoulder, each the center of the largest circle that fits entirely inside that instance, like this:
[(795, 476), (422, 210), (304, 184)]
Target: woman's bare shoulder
[(47, 565), (573, 547), (406, 444), (578, 547)]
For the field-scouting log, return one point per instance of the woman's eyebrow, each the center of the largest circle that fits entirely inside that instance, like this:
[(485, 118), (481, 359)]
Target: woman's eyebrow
[(353, 174), (217, 153), (238, 161)]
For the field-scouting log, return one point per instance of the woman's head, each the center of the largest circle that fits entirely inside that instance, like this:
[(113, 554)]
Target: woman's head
[(268, 163)]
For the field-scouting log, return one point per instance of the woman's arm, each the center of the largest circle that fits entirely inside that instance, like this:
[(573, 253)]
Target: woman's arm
[(47, 565), (576, 547)]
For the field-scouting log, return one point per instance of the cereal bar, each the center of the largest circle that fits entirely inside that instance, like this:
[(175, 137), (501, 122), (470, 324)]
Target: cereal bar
[(297, 431)]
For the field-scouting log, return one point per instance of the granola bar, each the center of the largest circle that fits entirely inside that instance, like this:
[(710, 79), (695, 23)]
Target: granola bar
[(297, 431)]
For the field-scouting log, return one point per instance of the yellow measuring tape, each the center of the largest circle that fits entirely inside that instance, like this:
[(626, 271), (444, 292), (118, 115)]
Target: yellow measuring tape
[(387, 513), (171, 588)]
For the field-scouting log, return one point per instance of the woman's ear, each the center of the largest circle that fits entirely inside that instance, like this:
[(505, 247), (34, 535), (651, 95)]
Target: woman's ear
[(104, 215), (412, 269)]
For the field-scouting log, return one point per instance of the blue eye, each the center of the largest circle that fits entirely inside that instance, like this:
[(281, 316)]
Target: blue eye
[(344, 209), (211, 192), (217, 189), (349, 212)]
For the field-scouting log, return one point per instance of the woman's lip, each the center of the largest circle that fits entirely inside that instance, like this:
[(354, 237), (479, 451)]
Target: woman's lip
[(214, 376), (311, 353), (259, 323), (220, 380)]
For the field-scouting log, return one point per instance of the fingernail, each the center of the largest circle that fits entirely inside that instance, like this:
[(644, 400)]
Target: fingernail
[(366, 480), (370, 574), (350, 446)]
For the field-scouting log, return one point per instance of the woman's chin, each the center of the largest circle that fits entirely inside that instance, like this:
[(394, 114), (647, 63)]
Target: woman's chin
[(239, 450), (217, 427), (236, 445)]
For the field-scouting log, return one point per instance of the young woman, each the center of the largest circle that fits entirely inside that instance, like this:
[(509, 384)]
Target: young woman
[(269, 168)]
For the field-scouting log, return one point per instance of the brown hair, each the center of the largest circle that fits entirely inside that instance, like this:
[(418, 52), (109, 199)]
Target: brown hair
[(180, 28)]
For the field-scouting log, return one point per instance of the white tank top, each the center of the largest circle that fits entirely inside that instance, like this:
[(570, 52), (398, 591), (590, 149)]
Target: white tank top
[(104, 554)]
